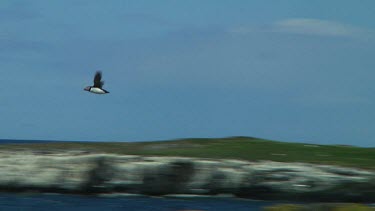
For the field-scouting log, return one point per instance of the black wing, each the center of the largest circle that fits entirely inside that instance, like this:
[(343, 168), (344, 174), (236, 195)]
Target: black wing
[(97, 82)]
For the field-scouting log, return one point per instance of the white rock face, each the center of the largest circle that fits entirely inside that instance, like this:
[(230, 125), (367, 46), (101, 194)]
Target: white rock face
[(105, 173)]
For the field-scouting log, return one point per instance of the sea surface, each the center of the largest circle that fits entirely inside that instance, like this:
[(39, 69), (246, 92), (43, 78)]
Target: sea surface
[(56, 202)]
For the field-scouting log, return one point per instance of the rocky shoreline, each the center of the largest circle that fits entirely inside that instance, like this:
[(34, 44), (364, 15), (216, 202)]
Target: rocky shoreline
[(89, 173)]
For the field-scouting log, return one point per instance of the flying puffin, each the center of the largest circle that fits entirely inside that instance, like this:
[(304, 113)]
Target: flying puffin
[(98, 84)]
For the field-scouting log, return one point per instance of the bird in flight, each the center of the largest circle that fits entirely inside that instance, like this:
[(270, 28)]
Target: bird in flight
[(98, 84)]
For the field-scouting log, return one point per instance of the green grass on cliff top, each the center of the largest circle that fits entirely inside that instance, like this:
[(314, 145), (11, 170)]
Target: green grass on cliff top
[(244, 148)]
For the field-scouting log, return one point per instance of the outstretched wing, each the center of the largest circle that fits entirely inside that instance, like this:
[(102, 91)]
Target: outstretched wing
[(97, 80)]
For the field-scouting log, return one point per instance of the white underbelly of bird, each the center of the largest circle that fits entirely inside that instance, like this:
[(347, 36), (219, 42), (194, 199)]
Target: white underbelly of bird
[(97, 90)]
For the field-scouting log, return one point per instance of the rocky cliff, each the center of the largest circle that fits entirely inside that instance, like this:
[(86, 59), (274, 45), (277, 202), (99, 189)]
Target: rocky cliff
[(84, 173)]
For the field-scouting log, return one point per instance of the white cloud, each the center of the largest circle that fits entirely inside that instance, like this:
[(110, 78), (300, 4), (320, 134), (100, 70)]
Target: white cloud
[(307, 26), (316, 27), (319, 98)]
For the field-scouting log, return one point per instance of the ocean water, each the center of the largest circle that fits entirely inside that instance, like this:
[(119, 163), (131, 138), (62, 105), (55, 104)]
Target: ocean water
[(56, 202)]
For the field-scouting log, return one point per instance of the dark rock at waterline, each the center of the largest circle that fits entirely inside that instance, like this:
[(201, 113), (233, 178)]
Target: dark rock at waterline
[(76, 172)]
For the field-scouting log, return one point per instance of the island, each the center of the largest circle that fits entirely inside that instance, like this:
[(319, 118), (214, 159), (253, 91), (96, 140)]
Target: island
[(242, 167)]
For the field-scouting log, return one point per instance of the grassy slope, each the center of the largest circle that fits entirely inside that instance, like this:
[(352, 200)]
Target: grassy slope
[(244, 148)]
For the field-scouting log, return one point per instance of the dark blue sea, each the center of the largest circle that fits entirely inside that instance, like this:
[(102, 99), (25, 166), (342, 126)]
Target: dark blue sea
[(56, 202)]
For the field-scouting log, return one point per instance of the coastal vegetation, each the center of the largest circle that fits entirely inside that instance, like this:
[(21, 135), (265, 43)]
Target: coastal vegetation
[(242, 148)]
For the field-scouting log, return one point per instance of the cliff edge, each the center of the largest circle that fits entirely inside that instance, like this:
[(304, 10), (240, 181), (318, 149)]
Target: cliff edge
[(92, 173)]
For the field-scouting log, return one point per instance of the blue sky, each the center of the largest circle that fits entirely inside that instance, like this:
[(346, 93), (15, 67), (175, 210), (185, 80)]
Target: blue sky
[(289, 70)]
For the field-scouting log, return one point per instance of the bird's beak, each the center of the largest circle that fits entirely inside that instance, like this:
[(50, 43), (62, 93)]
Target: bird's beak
[(86, 88)]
